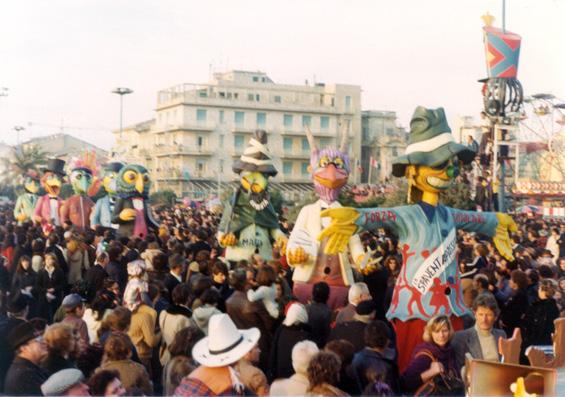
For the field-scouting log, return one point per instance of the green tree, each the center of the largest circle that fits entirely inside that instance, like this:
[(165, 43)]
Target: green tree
[(20, 160), (163, 197)]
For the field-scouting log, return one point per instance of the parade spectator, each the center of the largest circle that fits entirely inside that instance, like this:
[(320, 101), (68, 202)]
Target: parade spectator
[(95, 313), (96, 275), (376, 356), (106, 383), (62, 348), (482, 340), (319, 313), (174, 277), (17, 309), (117, 354), (293, 329), (181, 362), (352, 330), (142, 331), (297, 384), (175, 318), (538, 324), (323, 374), (37, 249), (73, 306), (433, 357), (512, 313), (252, 377), (208, 307), (266, 291), (345, 350), (50, 287), (358, 292), (67, 382), (25, 376)]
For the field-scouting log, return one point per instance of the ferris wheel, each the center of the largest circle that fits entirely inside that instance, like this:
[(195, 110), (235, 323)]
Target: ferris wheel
[(543, 122)]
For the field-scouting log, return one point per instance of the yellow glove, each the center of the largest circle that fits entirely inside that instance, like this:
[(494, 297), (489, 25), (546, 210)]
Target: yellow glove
[(128, 214), (280, 243), (21, 217), (228, 240), (502, 237), (340, 230), (297, 256)]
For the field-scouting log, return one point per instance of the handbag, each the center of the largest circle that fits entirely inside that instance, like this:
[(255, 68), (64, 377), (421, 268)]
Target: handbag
[(444, 384)]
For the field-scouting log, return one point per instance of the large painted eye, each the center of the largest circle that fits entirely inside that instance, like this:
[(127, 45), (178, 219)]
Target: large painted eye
[(324, 161), (338, 161), (145, 178), (129, 176)]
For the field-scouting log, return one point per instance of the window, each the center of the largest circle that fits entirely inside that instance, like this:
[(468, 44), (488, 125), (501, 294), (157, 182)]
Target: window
[(287, 144), (201, 115), (287, 167), (202, 94), (222, 94), (324, 122), (263, 79), (221, 166), (395, 151), (261, 119), (200, 141), (304, 168), (305, 145), (277, 99), (250, 97), (238, 118), (287, 120), (347, 102), (221, 116), (258, 98), (238, 142), (306, 121), (255, 79), (221, 141), (324, 143)]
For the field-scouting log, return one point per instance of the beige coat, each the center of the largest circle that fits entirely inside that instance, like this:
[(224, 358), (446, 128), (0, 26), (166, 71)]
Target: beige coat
[(132, 374)]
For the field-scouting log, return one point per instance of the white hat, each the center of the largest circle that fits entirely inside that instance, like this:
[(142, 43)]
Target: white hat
[(136, 267), (225, 344), (61, 381), (295, 314)]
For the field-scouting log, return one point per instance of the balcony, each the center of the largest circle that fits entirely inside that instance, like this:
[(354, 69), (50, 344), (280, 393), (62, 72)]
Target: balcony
[(181, 150), (302, 132), (297, 154), (196, 126)]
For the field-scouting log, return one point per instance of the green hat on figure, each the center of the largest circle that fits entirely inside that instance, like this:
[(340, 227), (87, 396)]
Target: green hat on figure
[(430, 142)]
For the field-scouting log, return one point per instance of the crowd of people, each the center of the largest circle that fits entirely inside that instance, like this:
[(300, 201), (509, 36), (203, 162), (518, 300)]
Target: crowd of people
[(90, 313)]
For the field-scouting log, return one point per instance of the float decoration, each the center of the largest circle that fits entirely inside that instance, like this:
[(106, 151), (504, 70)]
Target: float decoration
[(25, 203), (132, 212), (47, 209), (330, 170), (104, 208), (249, 224), (429, 282)]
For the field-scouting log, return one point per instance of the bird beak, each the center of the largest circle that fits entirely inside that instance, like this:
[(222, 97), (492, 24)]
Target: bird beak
[(139, 183)]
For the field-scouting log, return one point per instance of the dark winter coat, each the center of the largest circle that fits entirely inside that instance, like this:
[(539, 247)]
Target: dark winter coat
[(24, 378), (512, 313), (280, 360)]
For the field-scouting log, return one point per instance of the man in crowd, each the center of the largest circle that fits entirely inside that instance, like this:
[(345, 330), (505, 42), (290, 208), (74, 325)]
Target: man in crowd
[(358, 293), (66, 382), (297, 384)]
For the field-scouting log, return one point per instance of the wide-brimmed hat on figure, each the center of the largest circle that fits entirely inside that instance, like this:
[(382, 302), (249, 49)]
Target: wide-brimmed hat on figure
[(430, 142), (256, 157), (225, 344)]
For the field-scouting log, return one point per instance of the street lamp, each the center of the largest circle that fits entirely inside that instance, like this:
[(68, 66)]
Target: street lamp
[(121, 91), (18, 129)]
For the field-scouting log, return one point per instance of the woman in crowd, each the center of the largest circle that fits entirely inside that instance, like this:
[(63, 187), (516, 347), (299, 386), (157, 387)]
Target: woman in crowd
[(433, 357), (512, 313), (94, 314), (538, 324), (62, 347), (106, 383), (180, 363), (50, 287), (293, 329), (323, 375), (117, 356), (117, 322), (24, 281), (175, 318), (37, 249)]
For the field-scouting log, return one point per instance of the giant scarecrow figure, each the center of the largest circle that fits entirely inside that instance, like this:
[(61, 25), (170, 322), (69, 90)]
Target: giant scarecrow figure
[(77, 208), (104, 208), (429, 282), (330, 169), (249, 224), (25, 204), (132, 212), (47, 209)]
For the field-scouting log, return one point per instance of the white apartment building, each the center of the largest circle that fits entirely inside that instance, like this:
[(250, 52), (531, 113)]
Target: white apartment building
[(383, 140), (200, 129)]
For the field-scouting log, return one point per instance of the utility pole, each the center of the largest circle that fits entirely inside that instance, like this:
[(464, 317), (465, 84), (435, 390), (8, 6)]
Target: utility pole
[(18, 129), (121, 91)]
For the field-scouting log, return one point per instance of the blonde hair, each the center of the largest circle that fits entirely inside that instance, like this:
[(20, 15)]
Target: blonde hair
[(435, 324), (59, 338)]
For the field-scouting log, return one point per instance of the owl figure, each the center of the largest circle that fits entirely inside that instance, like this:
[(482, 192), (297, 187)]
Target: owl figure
[(131, 211)]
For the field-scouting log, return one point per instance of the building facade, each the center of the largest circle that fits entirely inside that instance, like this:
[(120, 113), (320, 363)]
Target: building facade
[(200, 129), (383, 140), (65, 146)]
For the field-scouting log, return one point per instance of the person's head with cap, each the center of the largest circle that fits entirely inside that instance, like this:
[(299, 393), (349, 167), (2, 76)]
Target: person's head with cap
[(136, 268), (430, 162), (17, 306), (73, 304), (295, 313), (225, 344), (365, 311), (27, 342), (302, 353), (66, 382)]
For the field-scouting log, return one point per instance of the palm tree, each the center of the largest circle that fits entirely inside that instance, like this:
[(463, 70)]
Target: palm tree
[(22, 159)]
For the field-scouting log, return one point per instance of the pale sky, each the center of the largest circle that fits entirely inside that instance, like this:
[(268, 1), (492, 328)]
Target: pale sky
[(61, 58)]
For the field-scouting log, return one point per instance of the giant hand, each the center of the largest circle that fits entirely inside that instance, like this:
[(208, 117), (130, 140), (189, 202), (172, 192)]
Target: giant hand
[(340, 230), (502, 237)]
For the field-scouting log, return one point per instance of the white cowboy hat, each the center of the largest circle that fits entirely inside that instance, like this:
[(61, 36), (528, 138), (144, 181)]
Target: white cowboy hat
[(225, 344)]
